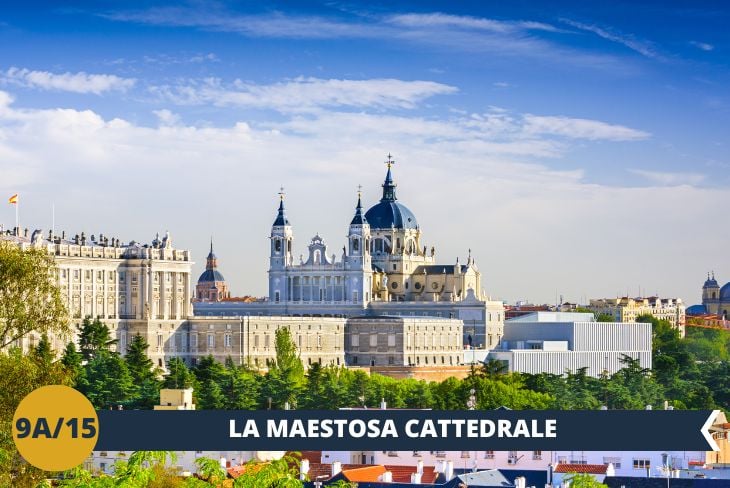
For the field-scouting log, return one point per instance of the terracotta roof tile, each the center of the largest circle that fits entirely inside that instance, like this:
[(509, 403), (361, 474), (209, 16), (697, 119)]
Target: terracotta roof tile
[(369, 473), (581, 468)]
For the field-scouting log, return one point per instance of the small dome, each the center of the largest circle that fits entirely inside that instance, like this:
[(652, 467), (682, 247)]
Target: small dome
[(387, 214), (725, 292), (696, 310), (210, 276)]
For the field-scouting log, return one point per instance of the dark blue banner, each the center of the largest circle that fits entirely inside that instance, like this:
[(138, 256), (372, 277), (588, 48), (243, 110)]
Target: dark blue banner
[(279, 430)]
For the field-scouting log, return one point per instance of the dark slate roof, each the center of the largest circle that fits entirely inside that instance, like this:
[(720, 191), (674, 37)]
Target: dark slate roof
[(281, 219), (533, 477), (210, 276), (359, 218), (487, 479), (711, 282)]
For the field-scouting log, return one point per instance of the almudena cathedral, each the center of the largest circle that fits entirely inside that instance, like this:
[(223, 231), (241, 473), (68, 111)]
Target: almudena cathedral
[(385, 301)]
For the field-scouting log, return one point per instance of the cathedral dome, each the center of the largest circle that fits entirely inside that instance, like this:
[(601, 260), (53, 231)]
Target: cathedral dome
[(210, 276), (388, 212), (725, 292)]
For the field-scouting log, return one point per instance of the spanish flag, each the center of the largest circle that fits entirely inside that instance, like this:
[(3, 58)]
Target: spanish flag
[(14, 199)]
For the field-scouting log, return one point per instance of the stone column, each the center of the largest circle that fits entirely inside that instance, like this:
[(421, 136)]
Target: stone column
[(142, 291)]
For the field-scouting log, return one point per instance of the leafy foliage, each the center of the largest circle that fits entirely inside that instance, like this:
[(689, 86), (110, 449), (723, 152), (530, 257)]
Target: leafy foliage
[(94, 338), (21, 374), (29, 296)]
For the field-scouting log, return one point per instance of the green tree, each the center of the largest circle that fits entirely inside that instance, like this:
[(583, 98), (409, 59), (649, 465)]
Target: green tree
[(21, 374), (209, 369), (280, 473), (240, 387), (94, 337), (29, 296), (107, 381), (210, 396), (139, 364), (284, 380), (73, 361), (178, 375), (583, 480), (43, 351)]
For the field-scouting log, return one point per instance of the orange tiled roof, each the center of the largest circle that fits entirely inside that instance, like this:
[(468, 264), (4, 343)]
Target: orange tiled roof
[(581, 468), (236, 471), (368, 473), (353, 472)]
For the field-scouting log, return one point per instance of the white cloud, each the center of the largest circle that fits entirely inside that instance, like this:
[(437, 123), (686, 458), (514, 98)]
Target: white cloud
[(80, 82), (702, 45), (304, 94), (645, 48), (166, 117), (439, 19), (436, 29), (581, 128), (269, 25), (663, 178)]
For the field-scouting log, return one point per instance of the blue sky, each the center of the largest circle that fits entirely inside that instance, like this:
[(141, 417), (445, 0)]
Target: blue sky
[(579, 148)]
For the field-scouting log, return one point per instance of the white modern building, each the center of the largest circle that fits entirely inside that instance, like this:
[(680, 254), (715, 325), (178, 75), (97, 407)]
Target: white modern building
[(556, 342)]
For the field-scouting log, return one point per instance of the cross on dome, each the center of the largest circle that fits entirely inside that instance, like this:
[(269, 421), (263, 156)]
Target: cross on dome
[(390, 162)]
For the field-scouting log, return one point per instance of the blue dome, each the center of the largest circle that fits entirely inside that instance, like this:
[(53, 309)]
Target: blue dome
[(696, 310), (387, 214), (725, 292), (210, 276)]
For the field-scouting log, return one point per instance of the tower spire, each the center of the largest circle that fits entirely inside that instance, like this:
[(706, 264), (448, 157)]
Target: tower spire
[(388, 185), (359, 218), (281, 219)]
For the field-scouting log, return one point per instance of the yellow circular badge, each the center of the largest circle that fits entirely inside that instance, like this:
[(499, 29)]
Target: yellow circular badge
[(55, 428)]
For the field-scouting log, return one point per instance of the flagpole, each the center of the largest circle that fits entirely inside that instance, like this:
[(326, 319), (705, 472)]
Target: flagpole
[(17, 224), (53, 219)]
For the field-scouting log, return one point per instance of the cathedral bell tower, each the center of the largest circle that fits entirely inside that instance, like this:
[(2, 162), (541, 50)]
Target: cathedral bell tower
[(359, 237), (358, 265), (711, 295), (281, 254)]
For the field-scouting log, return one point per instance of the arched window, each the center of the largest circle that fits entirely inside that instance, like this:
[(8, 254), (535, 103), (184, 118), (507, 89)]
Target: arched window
[(317, 256), (356, 244), (277, 245)]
